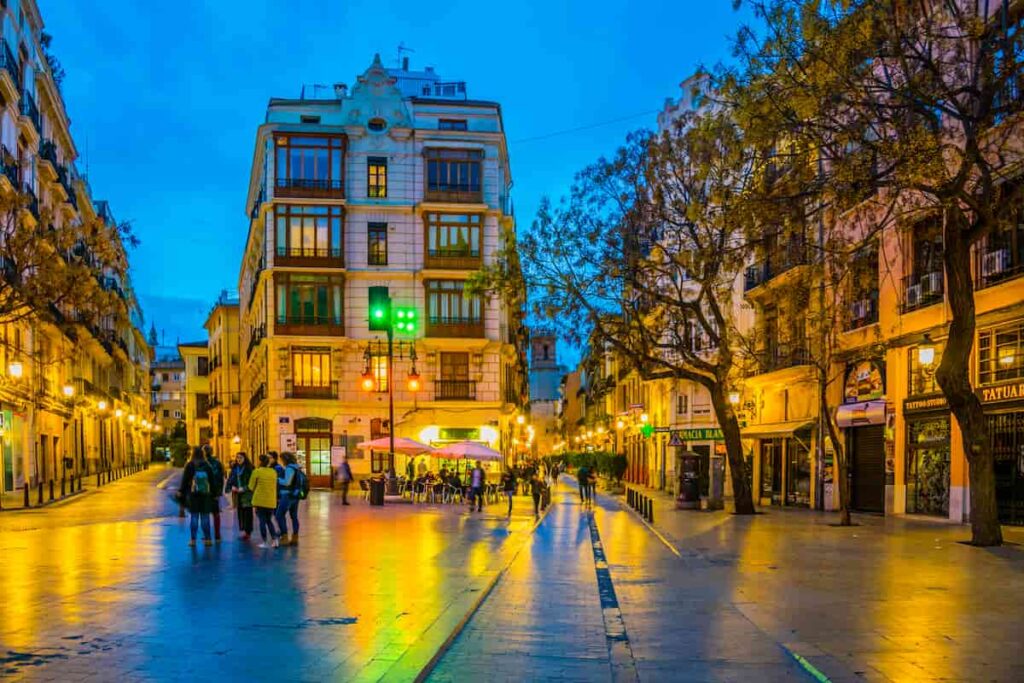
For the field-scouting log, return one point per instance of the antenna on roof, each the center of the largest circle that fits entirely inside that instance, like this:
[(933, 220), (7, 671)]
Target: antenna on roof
[(403, 60)]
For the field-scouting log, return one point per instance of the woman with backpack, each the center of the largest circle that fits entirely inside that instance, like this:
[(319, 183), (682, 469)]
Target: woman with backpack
[(290, 486), (263, 487), (196, 490), (216, 488), (238, 486)]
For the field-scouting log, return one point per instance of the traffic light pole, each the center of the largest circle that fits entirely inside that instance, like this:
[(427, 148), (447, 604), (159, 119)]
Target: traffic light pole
[(391, 396)]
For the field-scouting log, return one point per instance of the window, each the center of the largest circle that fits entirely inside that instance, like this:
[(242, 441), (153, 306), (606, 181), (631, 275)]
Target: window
[(452, 124), (377, 177), (166, 377), (203, 366), (701, 404), (455, 366), (682, 404), (167, 413), (309, 163), (377, 244), (377, 125), (446, 303), (379, 368), (177, 414), (922, 377), (454, 383), (1001, 354), (453, 235), (864, 287), (305, 232), (306, 118), (308, 299), (311, 367), (1001, 255), (454, 174), (922, 286)]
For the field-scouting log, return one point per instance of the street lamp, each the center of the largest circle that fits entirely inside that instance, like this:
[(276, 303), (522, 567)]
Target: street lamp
[(118, 412), (619, 424), (68, 390), (101, 405), (645, 418), (926, 352), (414, 380), (734, 397), (520, 419), (15, 370)]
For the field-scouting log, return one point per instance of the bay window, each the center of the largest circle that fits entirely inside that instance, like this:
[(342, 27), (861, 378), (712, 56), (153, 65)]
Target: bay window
[(453, 240), (309, 304), (454, 175), (452, 313), (309, 166), (309, 235)]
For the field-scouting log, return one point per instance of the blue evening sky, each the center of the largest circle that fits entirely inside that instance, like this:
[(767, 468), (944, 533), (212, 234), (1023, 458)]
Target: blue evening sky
[(165, 98)]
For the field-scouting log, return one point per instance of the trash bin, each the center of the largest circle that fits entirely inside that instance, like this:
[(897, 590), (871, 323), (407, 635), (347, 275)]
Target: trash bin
[(376, 491), (688, 481)]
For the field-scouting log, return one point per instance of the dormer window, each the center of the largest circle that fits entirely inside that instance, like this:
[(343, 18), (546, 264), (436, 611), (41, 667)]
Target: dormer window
[(377, 125)]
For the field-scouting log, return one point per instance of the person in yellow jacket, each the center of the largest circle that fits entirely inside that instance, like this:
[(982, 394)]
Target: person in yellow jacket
[(263, 484)]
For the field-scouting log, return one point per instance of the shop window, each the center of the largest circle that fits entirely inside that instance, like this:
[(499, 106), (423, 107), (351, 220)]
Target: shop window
[(1001, 354)]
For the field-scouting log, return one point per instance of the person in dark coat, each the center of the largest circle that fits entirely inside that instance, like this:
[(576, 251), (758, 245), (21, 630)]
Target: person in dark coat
[(217, 487), (196, 490), (238, 486)]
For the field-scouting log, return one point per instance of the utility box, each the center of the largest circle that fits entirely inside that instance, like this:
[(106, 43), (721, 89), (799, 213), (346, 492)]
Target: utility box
[(687, 481)]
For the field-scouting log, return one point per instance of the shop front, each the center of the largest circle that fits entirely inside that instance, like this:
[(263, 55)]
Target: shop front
[(927, 464), (704, 441), (862, 417), (783, 462)]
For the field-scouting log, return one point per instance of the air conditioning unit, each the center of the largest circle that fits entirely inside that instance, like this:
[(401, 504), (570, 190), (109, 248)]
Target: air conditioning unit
[(995, 262), (932, 283), (914, 295)]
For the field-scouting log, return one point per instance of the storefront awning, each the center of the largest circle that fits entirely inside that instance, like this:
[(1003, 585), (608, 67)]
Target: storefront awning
[(861, 414), (772, 429)]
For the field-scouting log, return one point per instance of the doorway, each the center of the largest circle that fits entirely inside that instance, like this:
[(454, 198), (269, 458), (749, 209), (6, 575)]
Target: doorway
[(867, 468), (771, 470), (313, 449)]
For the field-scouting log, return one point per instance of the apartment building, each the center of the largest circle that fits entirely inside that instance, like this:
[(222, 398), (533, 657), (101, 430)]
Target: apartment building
[(168, 390), (195, 356), (74, 391), (224, 379), (399, 188)]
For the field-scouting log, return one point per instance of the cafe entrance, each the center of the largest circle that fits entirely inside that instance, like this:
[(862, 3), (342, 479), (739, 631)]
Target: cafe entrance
[(313, 449)]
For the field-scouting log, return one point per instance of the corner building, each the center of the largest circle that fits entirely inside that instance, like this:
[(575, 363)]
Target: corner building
[(400, 184)]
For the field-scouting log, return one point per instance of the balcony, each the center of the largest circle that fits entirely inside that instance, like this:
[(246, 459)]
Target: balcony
[(67, 181), (452, 259), (256, 334), (450, 194), (10, 167), (780, 358), (309, 187), (310, 257), (454, 390), (48, 153), (995, 266), (778, 262), (455, 327), (257, 396), (920, 291), (32, 202), (260, 198), (28, 109), (863, 311), (310, 325), (326, 392), (9, 65)]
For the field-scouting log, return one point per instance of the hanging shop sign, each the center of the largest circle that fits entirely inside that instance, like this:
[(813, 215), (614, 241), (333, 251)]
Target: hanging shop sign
[(924, 404), (865, 381), (1012, 391), (289, 443)]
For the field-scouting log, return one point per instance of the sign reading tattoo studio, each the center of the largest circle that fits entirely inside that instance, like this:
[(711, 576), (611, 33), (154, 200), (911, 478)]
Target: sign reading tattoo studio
[(1002, 392), (924, 404)]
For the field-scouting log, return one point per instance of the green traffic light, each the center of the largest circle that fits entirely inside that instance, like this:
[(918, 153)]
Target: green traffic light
[(378, 313)]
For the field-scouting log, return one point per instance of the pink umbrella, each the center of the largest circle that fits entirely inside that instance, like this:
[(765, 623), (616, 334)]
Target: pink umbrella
[(402, 445), (470, 450)]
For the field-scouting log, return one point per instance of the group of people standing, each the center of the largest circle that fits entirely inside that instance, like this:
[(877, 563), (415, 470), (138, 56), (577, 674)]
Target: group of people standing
[(272, 491)]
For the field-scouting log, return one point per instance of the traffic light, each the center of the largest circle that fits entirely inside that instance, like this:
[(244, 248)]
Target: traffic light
[(380, 309), (405, 320)]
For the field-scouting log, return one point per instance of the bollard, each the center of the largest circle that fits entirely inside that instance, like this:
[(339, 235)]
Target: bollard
[(26, 495), (99, 479), (63, 491), (51, 490), (40, 501)]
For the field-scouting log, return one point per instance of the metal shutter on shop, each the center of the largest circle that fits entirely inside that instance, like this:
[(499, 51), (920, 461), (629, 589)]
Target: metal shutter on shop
[(867, 467)]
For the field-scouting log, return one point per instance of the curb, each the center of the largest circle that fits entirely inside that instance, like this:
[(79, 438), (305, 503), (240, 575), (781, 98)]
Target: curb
[(428, 668), (660, 536)]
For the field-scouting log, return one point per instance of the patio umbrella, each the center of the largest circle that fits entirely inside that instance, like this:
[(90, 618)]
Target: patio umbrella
[(469, 450), (402, 445)]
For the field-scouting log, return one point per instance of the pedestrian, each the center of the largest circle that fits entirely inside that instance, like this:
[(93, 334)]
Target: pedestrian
[(345, 477), (217, 489), (195, 490), (421, 469), (288, 500), (591, 486), (238, 485), (536, 490), (476, 483), (263, 486), (275, 463), (583, 477), (508, 486)]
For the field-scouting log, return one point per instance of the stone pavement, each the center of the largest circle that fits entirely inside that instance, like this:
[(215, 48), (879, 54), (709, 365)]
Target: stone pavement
[(15, 500), (106, 588), (890, 599)]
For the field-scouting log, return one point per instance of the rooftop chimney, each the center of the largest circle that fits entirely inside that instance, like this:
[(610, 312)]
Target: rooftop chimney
[(405, 63), (340, 90)]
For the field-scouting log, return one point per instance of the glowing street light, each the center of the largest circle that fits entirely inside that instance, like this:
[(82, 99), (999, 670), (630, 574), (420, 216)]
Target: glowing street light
[(520, 419), (101, 405), (118, 413), (15, 370), (926, 352), (68, 390), (734, 398)]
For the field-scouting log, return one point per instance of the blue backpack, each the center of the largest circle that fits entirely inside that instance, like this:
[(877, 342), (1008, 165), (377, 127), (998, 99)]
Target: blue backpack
[(300, 483), (201, 481)]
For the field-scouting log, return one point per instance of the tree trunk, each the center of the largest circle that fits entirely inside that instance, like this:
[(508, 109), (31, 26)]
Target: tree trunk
[(952, 376), (741, 493), (841, 474)]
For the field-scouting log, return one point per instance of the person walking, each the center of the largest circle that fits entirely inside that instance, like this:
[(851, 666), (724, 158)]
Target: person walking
[(345, 477), (591, 486), (508, 487), (217, 488), (263, 487), (288, 500), (238, 486), (536, 490), (476, 487), (195, 490), (583, 478)]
